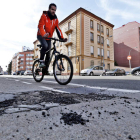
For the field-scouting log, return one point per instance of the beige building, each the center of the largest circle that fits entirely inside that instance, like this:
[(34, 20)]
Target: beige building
[(86, 33)]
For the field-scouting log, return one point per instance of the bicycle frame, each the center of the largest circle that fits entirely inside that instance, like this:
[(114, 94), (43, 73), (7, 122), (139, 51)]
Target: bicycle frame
[(53, 53)]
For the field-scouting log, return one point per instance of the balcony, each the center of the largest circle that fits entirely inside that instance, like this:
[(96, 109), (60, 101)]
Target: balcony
[(69, 31)]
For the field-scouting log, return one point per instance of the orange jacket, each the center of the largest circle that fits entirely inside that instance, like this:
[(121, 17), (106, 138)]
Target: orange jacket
[(46, 25)]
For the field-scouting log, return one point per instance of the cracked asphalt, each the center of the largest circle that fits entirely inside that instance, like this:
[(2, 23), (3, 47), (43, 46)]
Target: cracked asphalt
[(32, 111)]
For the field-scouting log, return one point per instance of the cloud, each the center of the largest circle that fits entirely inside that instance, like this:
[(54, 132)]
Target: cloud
[(112, 9), (18, 26)]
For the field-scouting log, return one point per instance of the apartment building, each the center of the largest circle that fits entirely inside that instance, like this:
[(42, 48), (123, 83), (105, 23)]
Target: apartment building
[(22, 61), (127, 41), (86, 34)]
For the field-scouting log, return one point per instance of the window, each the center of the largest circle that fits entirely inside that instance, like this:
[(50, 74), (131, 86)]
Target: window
[(108, 66), (102, 40), (91, 24), (98, 39), (21, 67), (29, 54), (92, 63), (69, 24), (69, 38), (91, 36), (69, 51), (21, 63), (91, 50), (107, 31), (22, 59), (102, 52), (102, 29), (21, 54), (100, 68), (107, 42), (98, 27), (96, 68), (108, 54), (98, 51), (29, 58)]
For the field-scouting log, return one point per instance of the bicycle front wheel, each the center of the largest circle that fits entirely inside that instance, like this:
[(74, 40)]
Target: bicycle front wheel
[(63, 70)]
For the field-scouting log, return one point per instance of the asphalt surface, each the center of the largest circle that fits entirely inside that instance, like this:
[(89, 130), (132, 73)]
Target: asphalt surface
[(88, 108)]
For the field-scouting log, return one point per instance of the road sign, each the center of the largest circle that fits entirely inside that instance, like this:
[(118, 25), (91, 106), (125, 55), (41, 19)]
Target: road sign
[(129, 57), (103, 65)]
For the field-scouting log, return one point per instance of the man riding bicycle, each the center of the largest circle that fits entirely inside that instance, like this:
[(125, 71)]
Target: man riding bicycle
[(47, 24)]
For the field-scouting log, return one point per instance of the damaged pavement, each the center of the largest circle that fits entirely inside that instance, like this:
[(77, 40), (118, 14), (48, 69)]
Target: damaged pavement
[(48, 115)]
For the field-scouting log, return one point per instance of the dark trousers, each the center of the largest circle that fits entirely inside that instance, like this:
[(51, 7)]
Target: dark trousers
[(46, 45)]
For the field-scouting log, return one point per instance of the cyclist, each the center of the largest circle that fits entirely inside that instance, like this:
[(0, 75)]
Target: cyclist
[(47, 24)]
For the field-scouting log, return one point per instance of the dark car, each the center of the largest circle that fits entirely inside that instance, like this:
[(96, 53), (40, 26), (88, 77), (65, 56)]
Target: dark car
[(136, 71), (18, 72), (116, 72), (22, 72)]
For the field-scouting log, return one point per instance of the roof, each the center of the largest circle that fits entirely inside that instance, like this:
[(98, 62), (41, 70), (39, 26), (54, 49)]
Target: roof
[(127, 24), (87, 12)]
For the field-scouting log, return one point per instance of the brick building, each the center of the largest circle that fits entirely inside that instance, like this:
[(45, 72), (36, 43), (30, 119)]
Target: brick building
[(86, 33), (127, 39), (22, 61)]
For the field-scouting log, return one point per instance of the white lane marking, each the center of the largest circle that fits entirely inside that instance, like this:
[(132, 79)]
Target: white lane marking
[(16, 80), (123, 90), (102, 88), (54, 89), (26, 83)]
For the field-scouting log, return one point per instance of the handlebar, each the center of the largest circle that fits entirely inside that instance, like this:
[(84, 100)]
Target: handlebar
[(54, 39)]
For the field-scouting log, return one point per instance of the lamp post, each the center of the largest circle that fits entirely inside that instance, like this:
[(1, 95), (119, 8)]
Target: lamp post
[(130, 59), (103, 50)]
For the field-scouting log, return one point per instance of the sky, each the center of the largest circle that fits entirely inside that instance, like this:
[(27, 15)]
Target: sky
[(19, 19)]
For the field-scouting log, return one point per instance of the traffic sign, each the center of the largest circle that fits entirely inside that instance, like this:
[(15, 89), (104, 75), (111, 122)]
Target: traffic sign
[(129, 57)]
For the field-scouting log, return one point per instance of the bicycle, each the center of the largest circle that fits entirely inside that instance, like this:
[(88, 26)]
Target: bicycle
[(62, 66)]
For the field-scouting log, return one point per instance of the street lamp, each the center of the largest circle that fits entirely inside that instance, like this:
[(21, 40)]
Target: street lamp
[(130, 59), (103, 50)]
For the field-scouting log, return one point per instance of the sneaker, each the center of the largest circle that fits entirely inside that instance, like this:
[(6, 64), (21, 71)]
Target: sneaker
[(42, 65)]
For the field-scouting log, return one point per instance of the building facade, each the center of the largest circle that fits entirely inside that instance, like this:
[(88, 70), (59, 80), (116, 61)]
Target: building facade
[(127, 41), (1, 70), (22, 61), (86, 34)]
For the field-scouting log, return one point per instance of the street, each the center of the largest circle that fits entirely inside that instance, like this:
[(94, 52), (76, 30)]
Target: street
[(88, 108)]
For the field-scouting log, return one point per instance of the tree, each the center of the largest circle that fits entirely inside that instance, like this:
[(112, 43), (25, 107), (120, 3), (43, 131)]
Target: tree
[(9, 69), (115, 63)]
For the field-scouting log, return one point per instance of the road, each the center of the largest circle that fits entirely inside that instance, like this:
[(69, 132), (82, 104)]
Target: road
[(88, 108), (79, 84)]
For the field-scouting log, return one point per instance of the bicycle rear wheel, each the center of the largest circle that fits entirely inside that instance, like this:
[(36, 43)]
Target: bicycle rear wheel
[(37, 72), (63, 70)]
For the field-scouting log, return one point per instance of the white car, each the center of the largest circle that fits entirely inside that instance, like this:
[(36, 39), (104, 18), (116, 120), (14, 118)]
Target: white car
[(28, 72), (93, 70)]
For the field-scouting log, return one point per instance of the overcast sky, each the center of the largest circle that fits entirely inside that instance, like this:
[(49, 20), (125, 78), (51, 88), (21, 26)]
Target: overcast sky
[(19, 19)]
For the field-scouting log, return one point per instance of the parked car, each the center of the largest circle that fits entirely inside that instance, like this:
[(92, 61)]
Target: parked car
[(116, 72), (93, 70), (18, 72), (28, 72), (22, 72), (136, 71), (14, 73), (1, 73)]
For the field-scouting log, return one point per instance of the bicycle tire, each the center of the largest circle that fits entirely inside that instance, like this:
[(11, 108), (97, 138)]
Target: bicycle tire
[(33, 72), (71, 66)]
